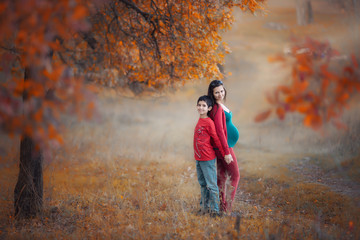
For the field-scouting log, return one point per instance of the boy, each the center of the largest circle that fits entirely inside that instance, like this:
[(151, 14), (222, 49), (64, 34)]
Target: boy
[(206, 158)]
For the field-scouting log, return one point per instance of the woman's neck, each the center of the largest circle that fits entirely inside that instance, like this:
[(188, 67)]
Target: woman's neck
[(224, 107)]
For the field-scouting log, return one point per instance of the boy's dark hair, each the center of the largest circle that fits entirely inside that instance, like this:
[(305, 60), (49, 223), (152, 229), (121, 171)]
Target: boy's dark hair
[(206, 99)]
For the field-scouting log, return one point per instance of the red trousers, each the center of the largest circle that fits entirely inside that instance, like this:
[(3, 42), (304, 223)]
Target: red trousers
[(224, 170)]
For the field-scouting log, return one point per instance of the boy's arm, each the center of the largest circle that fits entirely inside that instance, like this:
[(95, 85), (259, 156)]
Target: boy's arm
[(218, 121)]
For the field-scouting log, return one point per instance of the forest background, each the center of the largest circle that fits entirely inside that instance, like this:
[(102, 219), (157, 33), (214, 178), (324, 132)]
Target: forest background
[(131, 174)]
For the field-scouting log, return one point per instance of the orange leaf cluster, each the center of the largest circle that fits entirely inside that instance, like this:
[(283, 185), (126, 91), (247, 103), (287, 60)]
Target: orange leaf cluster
[(320, 88)]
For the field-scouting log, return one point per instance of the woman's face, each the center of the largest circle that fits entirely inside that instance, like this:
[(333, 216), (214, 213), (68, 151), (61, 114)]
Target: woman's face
[(219, 93)]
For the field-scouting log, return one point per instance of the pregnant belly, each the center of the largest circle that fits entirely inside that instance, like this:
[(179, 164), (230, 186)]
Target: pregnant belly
[(233, 135)]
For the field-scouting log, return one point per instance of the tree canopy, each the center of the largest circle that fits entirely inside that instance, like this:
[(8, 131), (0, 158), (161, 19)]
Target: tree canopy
[(157, 43)]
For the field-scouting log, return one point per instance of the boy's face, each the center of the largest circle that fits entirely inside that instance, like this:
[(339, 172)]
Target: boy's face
[(203, 108)]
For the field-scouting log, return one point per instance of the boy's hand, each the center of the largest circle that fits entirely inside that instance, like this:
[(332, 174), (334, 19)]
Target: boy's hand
[(228, 158)]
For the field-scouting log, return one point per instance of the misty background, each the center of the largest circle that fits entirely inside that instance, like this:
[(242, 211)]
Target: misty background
[(162, 127)]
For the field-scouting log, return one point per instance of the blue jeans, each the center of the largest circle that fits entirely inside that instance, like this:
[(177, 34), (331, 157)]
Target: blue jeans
[(206, 173)]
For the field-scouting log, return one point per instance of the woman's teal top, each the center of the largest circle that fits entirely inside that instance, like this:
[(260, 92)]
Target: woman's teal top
[(232, 132)]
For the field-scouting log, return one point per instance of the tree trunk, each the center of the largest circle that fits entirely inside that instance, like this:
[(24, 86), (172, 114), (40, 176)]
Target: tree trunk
[(304, 12), (355, 12), (356, 4), (28, 193)]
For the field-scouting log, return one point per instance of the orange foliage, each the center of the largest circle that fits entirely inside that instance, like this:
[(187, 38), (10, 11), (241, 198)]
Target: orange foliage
[(31, 33), (276, 58), (159, 43), (262, 116), (319, 87)]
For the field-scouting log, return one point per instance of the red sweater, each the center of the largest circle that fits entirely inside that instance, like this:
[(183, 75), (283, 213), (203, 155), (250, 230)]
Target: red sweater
[(204, 132), (218, 116)]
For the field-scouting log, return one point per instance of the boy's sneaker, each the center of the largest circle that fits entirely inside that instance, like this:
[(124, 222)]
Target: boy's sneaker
[(214, 214), (202, 212)]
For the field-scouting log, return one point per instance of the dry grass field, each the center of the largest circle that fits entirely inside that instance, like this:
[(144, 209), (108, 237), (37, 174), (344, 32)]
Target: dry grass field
[(93, 192), (130, 173)]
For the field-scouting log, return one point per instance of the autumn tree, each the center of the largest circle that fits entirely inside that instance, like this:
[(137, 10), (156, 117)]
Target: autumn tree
[(48, 47), (142, 44)]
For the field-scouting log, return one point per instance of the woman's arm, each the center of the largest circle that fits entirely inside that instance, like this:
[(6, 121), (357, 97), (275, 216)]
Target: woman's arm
[(218, 117)]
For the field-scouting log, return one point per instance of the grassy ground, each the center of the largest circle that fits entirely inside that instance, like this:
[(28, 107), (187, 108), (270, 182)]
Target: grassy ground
[(127, 199)]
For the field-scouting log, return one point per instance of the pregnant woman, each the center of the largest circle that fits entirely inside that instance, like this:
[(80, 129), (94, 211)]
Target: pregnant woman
[(228, 135)]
